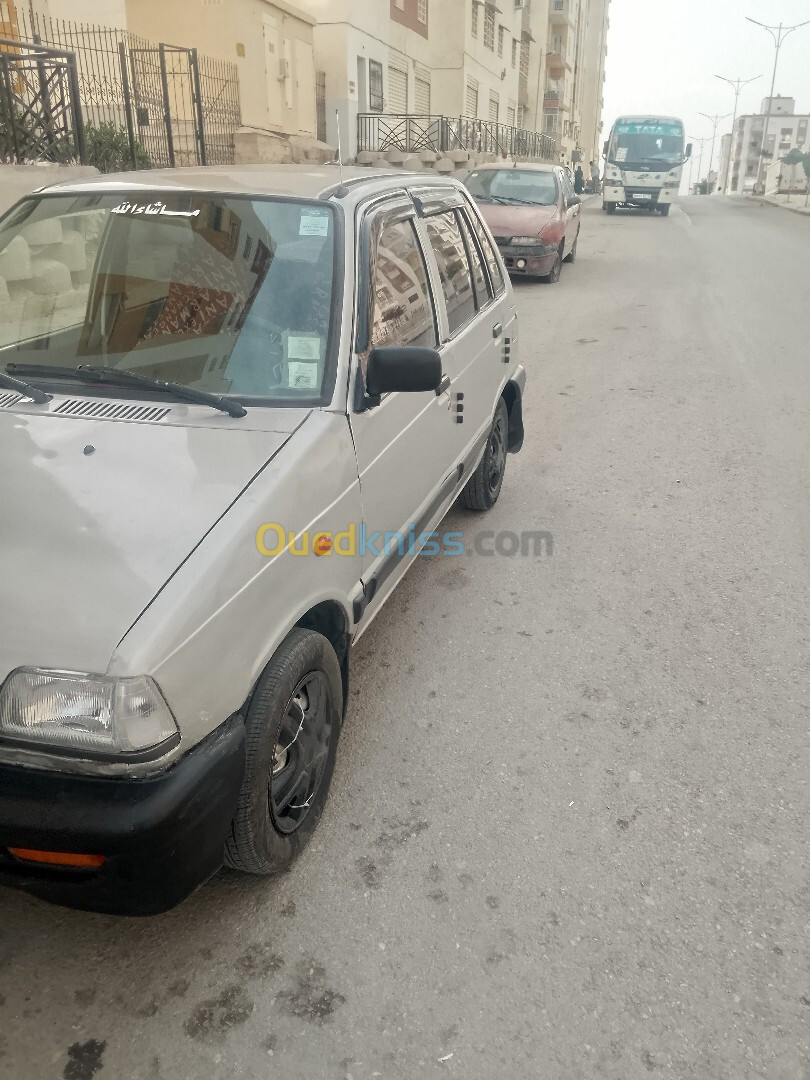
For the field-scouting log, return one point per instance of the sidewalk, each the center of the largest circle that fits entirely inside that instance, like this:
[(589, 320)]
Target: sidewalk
[(796, 203)]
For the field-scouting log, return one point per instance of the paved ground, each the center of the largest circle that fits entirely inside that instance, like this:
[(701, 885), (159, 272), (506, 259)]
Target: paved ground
[(567, 837)]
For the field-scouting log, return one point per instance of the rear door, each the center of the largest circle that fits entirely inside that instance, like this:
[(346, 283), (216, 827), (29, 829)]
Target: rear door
[(407, 445)]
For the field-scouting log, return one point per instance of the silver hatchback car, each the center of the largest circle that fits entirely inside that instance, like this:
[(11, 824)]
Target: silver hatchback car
[(234, 408)]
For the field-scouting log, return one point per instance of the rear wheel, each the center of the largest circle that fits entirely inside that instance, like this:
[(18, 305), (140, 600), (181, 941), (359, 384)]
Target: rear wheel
[(292, 727), (665, 209), (609, 207), (484, 486)]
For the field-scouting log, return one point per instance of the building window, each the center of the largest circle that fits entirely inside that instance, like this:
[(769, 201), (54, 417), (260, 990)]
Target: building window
[(489, 28), (501, 36), (524, 60), (471, 98), (494, 107), (474, 22), (510, 114), (375, 86), (400, 4), (515, 44), (421, 11)]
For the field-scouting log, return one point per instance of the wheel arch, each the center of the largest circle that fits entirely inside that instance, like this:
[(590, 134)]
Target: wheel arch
[(513, 398)]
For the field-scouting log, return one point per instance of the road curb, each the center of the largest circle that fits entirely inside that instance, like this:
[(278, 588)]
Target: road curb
[(802, 211)]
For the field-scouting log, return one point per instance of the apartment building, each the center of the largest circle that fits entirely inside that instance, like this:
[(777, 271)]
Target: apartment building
[(742, 152), (575, 74)]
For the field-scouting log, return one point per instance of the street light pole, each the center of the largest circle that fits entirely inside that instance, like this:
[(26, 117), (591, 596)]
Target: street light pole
[(778, 33), (715, 120), (702, 142), (737, 85)]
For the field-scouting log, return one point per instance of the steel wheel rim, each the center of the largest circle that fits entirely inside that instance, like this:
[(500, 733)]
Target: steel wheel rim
[(497, 455), (300, 753)]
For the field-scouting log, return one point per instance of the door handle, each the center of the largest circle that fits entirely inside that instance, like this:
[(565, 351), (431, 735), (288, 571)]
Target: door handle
[(497, 330), (443, 385)]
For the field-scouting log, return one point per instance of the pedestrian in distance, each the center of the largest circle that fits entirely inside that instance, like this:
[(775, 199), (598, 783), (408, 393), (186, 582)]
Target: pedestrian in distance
[(596, 180), (579, 180)]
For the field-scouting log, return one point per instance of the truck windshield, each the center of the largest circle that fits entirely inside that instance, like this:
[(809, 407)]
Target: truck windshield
[(527, 187), (639, 144), (231, 296)]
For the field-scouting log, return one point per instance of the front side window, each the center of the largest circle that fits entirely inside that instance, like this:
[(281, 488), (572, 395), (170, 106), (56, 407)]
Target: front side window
[(403, 311), (230, 296), (454, 270)]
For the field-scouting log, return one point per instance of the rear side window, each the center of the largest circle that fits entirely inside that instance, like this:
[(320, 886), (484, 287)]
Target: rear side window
[(489, 254), (454, 269), (403, 311), (482, 293)]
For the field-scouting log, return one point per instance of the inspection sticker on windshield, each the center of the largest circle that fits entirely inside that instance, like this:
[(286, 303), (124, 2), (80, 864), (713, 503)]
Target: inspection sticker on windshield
[(302, 376), (314, 223), (621, 153), (303, 347)]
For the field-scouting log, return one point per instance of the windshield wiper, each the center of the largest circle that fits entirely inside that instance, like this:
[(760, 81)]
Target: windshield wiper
[(507, 200), (116, 376), (39, 396)]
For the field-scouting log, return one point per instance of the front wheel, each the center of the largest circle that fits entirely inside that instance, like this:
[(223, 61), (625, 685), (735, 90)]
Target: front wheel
[(665, 209), (292, 726), (553, 276), (572, 254), (484, 486), (609, 207)]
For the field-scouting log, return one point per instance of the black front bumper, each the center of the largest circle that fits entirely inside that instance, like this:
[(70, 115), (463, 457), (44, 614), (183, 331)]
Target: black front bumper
[(161, 837)]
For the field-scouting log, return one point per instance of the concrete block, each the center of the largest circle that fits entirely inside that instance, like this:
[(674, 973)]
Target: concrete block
[(72, 251), (366, 157), (413, 163), (459, 157), (15, 260), (445, 165), (43, 233), (428, 157), (394, 156), (461, 174)]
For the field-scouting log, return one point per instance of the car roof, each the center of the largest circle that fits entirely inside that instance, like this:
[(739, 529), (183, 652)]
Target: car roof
[(527, 165), (303, 181)]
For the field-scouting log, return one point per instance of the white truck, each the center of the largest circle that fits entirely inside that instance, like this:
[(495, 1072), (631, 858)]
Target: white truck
[(644, 159)]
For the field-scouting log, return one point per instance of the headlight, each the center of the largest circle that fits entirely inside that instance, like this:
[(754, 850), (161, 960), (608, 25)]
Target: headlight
[(522, 241), (84, 712)]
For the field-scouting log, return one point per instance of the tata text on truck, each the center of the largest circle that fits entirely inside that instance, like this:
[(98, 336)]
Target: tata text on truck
[(644, 159)]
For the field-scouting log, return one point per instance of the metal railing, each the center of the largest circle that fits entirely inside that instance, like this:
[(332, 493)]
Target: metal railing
[(410, 133)]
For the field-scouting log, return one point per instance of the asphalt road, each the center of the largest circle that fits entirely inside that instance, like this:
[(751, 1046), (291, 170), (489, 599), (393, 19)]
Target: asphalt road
[(567, 837)]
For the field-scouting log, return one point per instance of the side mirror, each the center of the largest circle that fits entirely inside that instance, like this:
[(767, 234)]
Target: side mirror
[(605, 150), (688, 151), (402, 369), (574, 200)]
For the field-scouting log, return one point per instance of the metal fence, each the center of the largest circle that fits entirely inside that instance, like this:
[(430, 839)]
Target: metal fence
[(143, 104), (40, 116), (410, 133)]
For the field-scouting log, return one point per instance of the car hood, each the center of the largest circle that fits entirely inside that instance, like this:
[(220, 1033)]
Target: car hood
[(96, 515), (516, 220)]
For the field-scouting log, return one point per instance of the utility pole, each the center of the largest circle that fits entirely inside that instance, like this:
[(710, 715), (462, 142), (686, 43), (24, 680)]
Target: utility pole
[(778, 33), (714, 120), (737, 85), (702, 143)]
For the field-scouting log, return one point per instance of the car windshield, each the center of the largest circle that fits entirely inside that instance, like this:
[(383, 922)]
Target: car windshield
[(231, 296), (518, 187)]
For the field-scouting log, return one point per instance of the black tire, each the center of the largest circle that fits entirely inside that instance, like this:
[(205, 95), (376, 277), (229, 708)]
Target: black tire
[(266, 836), (665, 209), (484, 486), (553, 276), (610, 207), (572, 254)]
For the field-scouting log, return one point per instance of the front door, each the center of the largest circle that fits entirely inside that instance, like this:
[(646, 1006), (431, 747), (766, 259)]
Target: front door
[(407, 445)]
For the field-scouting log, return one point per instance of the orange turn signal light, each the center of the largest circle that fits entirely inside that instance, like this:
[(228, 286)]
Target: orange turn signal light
[(58, 858)]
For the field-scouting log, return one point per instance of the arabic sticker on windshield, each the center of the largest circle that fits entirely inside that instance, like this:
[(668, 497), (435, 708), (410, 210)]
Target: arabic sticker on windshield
[(621, 153), (302, 376), (156, 209), (303, 347), (314, 223)]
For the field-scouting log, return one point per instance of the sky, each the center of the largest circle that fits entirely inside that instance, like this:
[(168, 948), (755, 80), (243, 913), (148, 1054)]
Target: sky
[(663, 56)]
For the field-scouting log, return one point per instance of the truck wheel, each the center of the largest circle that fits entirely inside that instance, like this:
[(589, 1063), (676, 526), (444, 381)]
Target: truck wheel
[(484, 486), (665, 209), (292, 726), (610, 207)]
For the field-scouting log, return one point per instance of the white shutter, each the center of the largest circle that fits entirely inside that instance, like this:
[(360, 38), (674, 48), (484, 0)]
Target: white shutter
[(494, 103), (422, 96), (397, 97), (471, 100)]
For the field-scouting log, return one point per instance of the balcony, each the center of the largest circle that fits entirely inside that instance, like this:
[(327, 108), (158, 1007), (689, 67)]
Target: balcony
[(558, 62), (409, 133), (560, 13)]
